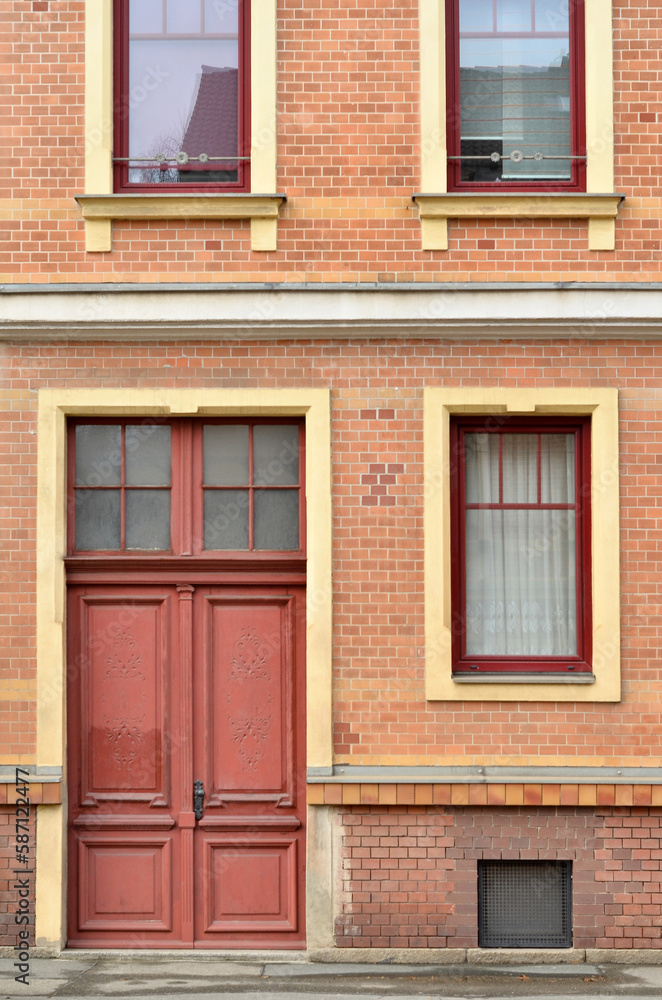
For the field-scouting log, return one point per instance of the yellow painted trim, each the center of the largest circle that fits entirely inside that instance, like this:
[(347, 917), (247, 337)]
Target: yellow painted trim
[(599, 96), (432, 44), (179, 206), (54, 408), (50, 895), (264, 130), (602, 405), (99, 142), (518, 205), (599, 127), (98, 95)]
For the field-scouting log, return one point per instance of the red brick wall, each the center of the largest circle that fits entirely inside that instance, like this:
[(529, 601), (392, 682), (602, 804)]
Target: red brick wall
[(409, 875), (348, 159), (9, 898), (380, 710)]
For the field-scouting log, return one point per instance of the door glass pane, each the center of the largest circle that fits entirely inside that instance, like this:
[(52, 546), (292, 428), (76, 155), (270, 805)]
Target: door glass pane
[(147, 515), (225, 454), (98, 455), (520, 468), (225, 519), (557, 468), (276, 519), (275, 454), (147, 455), (98, 520)]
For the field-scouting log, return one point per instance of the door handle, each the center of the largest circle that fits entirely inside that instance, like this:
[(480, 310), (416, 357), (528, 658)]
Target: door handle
[(198, 799)]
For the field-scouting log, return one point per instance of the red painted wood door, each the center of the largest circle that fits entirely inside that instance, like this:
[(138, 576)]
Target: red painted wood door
[(170, 685)]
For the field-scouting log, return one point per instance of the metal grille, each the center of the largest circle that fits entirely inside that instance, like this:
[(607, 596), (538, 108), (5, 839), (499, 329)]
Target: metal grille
[(524, 904)]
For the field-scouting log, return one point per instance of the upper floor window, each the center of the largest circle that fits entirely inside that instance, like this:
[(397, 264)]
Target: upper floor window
[(516, 111), (181, 95)]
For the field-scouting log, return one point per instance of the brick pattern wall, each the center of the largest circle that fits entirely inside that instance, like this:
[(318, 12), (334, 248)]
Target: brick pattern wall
[(9, 898), (348, 159), (409, 875), (381, 715)]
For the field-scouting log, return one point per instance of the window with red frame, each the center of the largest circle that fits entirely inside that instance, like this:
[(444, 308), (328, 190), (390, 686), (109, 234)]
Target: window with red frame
[(515, 88), (521, 556), (181, 99), (186, 487)]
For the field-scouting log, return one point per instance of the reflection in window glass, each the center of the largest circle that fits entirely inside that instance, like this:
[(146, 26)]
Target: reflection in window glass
[(514, 92), (183, 96)]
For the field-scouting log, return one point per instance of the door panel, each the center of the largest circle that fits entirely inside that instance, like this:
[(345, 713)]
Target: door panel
[(169, 684), (248, 674)]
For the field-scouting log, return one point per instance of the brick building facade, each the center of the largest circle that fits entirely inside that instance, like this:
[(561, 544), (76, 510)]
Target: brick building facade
[(349, 292)]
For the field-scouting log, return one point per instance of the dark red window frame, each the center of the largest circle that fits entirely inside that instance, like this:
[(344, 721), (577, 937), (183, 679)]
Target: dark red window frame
[(186, 489), (121, 113), (473, 665), (577, 180)]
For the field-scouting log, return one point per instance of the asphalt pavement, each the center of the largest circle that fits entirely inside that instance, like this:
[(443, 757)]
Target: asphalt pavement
[(185, 976)]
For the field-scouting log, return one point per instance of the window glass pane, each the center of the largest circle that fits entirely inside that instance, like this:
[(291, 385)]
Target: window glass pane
[(481, 456), (520, 583), (147, 517), (225, 454), (147, 455), (98, 519), (183, 16), (476, 15), (225, 519), (146, 17), (275, 454), (552, 15), (276, 519), (183, 98), (557, 471), (520, 468), (98, 455), (515, 97), (513, 15), (222, 17)]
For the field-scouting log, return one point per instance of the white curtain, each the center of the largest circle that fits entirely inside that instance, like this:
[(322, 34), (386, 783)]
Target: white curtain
[(520, 564)]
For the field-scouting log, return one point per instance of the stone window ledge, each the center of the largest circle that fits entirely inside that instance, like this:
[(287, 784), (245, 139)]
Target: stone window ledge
[(600, 210), (99, 210)]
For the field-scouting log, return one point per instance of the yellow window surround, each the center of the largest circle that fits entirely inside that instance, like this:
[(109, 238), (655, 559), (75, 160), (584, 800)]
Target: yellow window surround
[(55, 405), (602, 405), (599, 204), (100, 206)]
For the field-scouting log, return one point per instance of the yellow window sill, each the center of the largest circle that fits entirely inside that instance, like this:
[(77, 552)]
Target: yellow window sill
[(99, 210), (600, 209)]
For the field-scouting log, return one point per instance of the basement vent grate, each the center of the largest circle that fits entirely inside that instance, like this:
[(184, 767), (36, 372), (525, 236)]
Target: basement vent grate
[(524, 904)]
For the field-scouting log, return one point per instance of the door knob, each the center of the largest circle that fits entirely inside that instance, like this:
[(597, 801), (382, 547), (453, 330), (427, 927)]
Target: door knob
[(198, 799)]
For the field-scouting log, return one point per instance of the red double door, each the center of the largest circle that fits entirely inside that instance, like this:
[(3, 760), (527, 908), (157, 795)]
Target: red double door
[(186, 765)]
